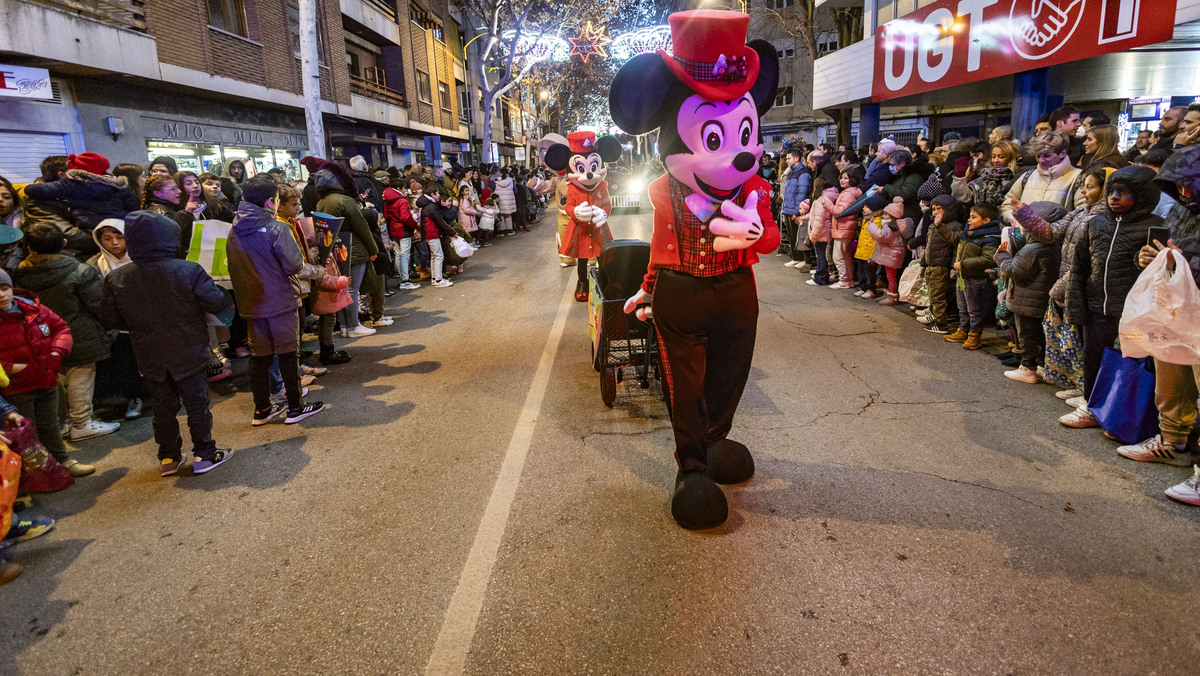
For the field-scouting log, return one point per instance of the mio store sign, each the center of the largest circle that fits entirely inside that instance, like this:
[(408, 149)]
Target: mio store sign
[(953, 42)]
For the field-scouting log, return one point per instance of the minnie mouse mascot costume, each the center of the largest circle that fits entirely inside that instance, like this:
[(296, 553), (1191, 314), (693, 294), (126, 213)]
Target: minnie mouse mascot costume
[(712, 219), (588, 203)]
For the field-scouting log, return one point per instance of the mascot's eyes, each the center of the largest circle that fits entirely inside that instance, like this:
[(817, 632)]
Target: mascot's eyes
[(714, 135), (580, 167), (745, 131), (595, 166)]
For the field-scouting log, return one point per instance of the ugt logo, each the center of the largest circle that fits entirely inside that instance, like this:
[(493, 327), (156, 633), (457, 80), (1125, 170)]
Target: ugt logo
[(1040, 28)]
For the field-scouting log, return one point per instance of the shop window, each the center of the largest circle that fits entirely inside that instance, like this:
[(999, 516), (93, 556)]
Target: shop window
[(783, 97), (423, 91), (444, 96), (785, 53), (294, 25), (228, 15)]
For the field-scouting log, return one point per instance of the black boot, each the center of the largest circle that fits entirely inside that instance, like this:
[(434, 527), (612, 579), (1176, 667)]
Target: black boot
[(581, 292), (729, 462), (332, 356), (698, 502)]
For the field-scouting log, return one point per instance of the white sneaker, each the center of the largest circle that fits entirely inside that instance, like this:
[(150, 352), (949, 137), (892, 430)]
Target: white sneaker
[(94, 428), (811, 282), (134, 408), (345, 333), (408, 286), (1068, 394), (1076, 402), (306, 380), (1188, 491), (925, 319), (443, 284), (790, 264), (1155, 449), (383, 321), (1080, 418), (361, 331), (568, 265), (1023, 374)]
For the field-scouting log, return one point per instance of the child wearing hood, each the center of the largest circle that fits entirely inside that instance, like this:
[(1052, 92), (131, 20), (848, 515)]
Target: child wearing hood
[(118, 373), (889, 245), (820, 227), (974, 248), (1029, 263), (1104, 269)]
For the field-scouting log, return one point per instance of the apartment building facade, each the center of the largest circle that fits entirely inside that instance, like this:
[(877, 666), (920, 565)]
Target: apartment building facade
[(211, 81)]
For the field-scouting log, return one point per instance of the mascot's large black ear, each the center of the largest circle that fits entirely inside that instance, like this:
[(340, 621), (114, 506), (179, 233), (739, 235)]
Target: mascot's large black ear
[(764, 89), (609, 148), (558, 156), (637, 97)]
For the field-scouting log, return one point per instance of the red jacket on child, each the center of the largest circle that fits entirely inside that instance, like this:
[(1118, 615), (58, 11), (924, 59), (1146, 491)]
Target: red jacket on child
[(398, 214), (36, 337)]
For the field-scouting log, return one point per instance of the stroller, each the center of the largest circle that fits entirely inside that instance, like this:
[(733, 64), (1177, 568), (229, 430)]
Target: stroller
[(620, 340)]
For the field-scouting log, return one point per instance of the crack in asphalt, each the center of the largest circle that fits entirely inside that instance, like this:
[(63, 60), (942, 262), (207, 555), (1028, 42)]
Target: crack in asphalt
[(807, 331), (971, 483)]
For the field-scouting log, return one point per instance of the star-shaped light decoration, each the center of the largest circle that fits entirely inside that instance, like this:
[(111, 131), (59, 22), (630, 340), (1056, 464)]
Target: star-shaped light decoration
[(590, 42)]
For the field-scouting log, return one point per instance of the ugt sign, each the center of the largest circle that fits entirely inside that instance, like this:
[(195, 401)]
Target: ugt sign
[(952, 42)]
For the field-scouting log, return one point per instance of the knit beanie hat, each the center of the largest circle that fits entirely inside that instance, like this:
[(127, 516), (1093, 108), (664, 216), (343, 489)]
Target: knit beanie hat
[(949, 207), (896, 208), (90, 162), (5, 279), (931, 188)]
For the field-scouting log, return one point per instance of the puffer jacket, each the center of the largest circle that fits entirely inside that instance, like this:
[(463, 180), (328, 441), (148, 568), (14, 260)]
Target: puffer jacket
[(1032, 271), (1065, 232), (1104, 263), (184, 219), (1183, 221), (820, 216), (1056, 184), (467, 213), (264, 261), (903, 185), (398, 214), (845, 228), (889, 245), (73, 291), (435, 223), (796, 186), (91, 197), (939, 250), (161, 300), (31, 334), (505, 196), (974, 248)]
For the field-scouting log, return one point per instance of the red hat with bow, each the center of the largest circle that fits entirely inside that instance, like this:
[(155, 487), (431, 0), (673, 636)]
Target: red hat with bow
[(710, 54), (582, 142)]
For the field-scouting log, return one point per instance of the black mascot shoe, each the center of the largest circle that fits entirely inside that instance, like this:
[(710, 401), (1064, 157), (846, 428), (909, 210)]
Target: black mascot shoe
[(698, 503), (729, 462), (581, 292)]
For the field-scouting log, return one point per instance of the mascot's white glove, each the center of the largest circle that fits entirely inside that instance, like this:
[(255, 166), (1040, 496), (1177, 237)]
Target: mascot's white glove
[(583, 212), (737, 227), (640, 303), (599, 216)]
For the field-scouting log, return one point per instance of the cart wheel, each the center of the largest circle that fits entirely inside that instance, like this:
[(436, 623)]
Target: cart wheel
[(608, 386)]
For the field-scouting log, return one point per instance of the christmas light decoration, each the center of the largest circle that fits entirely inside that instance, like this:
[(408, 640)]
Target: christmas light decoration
[(590, 42), (643, 41), (537, 47)]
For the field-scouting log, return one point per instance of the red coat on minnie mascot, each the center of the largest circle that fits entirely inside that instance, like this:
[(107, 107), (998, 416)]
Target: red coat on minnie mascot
[(712, 219), (588, 204)]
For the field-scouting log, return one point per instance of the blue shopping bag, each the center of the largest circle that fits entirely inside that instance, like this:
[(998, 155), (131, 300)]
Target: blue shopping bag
[(1122, 400)]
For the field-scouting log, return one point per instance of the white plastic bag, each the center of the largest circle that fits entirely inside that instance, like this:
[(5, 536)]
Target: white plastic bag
[(462, 247), (909, 287), (1162, 313)]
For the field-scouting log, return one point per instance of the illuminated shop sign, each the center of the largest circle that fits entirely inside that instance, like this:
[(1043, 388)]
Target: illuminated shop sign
[(953, 42)]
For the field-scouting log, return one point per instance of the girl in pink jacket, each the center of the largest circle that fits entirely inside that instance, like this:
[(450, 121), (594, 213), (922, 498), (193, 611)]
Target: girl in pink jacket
[(889, 245), (844, 229), (820, 227)]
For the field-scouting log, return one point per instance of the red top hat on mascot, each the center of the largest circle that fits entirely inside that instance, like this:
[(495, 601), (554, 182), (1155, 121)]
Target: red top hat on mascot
[(710, 53), (582, 142)]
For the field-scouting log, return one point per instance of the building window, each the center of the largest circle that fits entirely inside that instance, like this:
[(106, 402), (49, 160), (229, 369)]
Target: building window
[(785, 53), (294, 25), (444, 96), (423, 91), (827, 43), (464, 105), (227, 15), (781, 4), (783, 97)]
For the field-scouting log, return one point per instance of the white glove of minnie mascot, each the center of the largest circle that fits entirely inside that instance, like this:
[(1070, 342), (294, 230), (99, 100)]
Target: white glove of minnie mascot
[(582, 159), (712, 220)]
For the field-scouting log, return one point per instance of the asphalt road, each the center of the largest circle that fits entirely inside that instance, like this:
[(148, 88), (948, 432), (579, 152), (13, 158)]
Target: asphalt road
[(468, 504)]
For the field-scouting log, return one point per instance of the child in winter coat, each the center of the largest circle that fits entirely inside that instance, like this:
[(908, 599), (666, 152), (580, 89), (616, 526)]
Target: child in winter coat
[(33, 342), (820, 227), (487, 216), (938, 258), (118, 374), (1104, 268), (843, 229), (1030, 266), (973, 258), (401, 224), (889, 245)]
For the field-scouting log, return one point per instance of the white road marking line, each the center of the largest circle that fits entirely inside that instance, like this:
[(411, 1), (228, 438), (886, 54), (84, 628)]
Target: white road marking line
[(458, 630)]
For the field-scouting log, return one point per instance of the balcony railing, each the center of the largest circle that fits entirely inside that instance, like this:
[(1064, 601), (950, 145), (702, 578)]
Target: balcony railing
[(377, 91), (120, 13), (386, 7)]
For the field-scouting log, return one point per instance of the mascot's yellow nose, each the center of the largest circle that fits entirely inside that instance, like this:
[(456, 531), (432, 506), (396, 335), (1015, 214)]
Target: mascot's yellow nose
[(743, 161)]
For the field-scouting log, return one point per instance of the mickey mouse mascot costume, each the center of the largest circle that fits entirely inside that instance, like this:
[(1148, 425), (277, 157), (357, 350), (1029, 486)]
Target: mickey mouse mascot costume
[(712, 219), (588, 203)]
